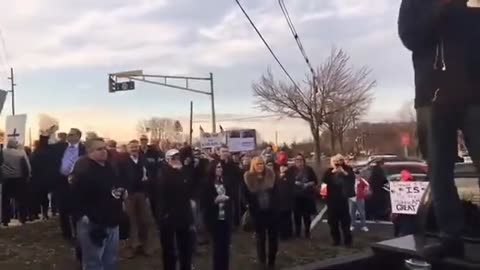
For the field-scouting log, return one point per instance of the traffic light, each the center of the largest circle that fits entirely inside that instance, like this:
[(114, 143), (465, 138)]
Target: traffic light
[(114, 86), (111, 85), (124, 86)]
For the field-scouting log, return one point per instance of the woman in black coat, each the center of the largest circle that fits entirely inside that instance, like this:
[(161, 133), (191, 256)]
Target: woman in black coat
[(218, 206), (286, 191), (305, 183)]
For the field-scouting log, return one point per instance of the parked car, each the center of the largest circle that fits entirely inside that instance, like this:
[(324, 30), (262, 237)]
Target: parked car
[(372, 161), (395, 167)]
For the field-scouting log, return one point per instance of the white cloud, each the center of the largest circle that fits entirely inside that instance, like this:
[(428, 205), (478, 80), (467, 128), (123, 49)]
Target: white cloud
[(116, 33), (125, 34)]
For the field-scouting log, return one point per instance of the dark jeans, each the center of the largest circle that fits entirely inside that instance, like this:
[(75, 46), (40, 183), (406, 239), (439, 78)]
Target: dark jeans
[(266, 226), (423, 118), (302, 212), (442, 153), (14, 189), (176, 241), (405, 225), (41, 198), (221, 236), (285, 224), (339, 218)]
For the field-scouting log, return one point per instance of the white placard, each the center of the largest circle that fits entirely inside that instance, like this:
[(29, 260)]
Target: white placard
[(241, 140), (212, 140), (46, 122), (406, 196), (15, 128)]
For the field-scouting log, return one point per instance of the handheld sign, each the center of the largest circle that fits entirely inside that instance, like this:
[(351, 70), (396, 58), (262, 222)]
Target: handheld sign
[(211, 140), (15, 128), (406, 196)]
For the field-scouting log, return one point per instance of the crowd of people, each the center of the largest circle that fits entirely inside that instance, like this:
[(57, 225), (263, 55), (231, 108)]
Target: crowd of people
[(104, 194)]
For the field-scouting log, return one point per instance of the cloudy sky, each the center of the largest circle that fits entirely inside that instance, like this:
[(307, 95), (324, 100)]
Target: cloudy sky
[(63, 50)]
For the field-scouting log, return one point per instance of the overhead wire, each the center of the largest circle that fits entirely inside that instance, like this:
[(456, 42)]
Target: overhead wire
[(268, 47), (295, 34)]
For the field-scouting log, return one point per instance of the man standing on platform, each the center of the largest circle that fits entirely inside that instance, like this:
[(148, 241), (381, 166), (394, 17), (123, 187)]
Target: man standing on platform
[(444, 37), (61, 159)]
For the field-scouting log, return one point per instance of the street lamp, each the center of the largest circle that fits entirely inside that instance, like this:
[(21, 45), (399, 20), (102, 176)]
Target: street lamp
[(163, 80)]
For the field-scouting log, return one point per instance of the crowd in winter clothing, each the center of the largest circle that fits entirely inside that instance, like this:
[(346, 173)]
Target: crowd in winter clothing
[(186, 196)]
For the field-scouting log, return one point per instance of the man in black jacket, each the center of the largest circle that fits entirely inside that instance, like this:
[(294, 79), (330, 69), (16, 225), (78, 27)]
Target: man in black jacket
[(444, 37), (134, 173), (340, 180), (61, 159), (98, 195), (174, 212), (234, 175)]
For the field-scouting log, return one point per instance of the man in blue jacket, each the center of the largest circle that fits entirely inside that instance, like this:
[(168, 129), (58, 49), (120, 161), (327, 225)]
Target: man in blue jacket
[(444, 37)]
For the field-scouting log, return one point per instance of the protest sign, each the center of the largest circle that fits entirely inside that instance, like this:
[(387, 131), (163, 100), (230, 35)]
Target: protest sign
[(241, 140), (15, 128), (406, 196), (211, 140)]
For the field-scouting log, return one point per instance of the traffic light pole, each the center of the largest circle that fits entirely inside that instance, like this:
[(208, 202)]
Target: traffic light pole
[(164, 80)]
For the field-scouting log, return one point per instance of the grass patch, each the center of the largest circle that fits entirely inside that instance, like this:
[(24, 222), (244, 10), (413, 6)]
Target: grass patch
[(39, 246)]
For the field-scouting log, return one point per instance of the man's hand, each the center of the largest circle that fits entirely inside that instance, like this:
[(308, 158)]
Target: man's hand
[(221, 199), (85, 220), (51, 130), (309, 184)]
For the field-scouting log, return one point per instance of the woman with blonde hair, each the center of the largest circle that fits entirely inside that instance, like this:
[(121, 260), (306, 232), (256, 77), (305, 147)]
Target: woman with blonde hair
[(261, 194), (340, 180)]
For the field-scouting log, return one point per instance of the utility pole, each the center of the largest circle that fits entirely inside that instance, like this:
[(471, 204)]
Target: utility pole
[(162, 80), (212, 96), (191, 123), (12, 89)]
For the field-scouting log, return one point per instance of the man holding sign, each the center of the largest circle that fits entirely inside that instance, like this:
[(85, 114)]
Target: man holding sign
[(61, 159), (444, 37)]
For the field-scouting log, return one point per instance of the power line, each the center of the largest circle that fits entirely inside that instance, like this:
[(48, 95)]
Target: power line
[(295, 33), (267, 45), (296, 36)]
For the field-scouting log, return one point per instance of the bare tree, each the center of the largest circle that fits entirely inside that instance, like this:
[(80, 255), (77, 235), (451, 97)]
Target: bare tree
[(335, 82), (161, 129), (358, 100)]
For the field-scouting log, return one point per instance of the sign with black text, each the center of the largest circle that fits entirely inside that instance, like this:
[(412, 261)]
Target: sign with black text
[(406, 196), (212, 140)]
